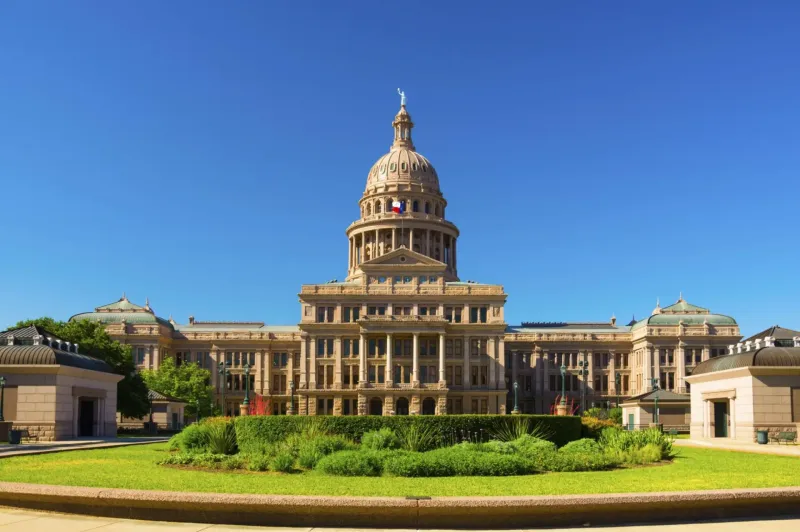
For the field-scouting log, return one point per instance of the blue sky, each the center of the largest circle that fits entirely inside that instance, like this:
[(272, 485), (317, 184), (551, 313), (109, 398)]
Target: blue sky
[(209, 155)]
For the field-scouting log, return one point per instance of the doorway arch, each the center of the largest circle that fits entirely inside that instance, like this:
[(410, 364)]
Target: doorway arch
[(401, 407), (375, 407), (429, 406)]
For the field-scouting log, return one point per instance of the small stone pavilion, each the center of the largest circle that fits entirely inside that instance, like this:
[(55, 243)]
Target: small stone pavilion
[(52, 391), (166, 412), (756, 387), (673, 410)]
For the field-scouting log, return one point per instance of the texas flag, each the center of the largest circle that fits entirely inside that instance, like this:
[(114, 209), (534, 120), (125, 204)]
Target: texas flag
[(399, 207)]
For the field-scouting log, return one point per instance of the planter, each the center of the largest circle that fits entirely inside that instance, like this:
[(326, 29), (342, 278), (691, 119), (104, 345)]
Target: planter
[(762, 437), (5, 427), (14, 437)]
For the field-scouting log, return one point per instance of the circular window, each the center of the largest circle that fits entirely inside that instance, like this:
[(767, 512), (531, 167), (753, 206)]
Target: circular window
[(402, 259)]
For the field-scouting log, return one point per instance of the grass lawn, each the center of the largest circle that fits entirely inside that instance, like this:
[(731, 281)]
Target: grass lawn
[(134, 467)]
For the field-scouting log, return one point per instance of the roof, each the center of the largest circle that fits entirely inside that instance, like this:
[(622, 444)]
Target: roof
[(240, 326), (777, 332), (42, 355), (788, 357), (683, 306), (687, 319), (156, 396), (123, 309), (555, 327), (662, 395), (27, 332)]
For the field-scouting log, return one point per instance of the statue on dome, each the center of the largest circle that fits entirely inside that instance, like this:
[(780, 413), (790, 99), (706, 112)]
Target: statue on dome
[(402, 97)]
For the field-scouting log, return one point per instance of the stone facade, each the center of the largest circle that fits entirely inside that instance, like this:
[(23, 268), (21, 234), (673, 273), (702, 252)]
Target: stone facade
[(404, 334)]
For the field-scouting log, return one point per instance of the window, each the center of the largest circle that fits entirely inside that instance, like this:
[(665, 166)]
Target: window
[(477, 314), (351, 314), (140, 356), (427, 207), (453, 314), (528, 383), (280, 360), (553, 385), (427, 311), (432, 279), (401, 311), (376, 310), (415, 206), (406, 279)]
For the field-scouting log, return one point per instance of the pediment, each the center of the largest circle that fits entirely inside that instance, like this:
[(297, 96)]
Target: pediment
[(404, 257)]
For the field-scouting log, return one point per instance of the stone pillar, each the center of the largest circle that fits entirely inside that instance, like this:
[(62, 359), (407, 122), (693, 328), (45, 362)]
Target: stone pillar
[(377, 246), (657, 366), (705, 353), (415, 362), (648, 369), (467, 375), (312, 363), (259, 384), (337, 372), (680, 365), (491, 354), (394, 238), (362, 360), (500, 345), (214, 370), (612, 373), (590, 377), (156, 357), (388, 373), (304, 356), (442, 367), (455, 264), (428, 250)]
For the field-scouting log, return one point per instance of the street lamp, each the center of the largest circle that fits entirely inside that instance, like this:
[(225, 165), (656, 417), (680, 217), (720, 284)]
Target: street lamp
[(617, 384), (563, 385), (516, 405), (655, 413), (246, 385), (223, 372), (2, 393), (583, 372), (291, 396)]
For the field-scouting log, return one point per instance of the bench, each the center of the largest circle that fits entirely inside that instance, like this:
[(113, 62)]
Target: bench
[(673, 432), (787, 437)]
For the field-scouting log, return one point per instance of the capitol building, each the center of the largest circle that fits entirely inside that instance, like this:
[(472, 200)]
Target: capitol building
[(404, 334)]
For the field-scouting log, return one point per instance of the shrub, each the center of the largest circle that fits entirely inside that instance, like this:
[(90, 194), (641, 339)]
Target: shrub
[(313, 450), (586, 445), (258, 463), (528, 446), (620, 442), (417, 437), (596, 412), (351, 464), (615, 415), (592, 426), (455, 461), (377, 440), (221, 438), (283, 462), (499, 447), (253, 432), (558, 461), (518, 427)]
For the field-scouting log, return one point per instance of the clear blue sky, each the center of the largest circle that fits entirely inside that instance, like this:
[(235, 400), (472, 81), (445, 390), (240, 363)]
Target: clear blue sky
[(209, 155)]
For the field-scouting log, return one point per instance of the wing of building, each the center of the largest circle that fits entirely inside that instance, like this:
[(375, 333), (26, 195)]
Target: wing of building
[(403, 334)]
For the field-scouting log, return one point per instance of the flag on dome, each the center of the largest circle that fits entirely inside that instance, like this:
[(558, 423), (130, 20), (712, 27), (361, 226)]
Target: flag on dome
[(399, 207)]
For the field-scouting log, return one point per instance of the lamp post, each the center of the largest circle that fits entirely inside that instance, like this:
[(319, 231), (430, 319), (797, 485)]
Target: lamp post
[(562, 405), (516, 404), (583, 372), (246, 385), (655, 400), (2, 394), (223, 372), (617, 384), (291, 397)]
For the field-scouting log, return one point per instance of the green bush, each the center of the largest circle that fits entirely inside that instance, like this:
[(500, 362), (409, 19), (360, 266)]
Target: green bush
[(283, 462), (615, 415), (529, 446), (456, 461), (417, 437), (352, 464), (253, 432), (258, 463), (618, 441), (500, 447), (517, 427), (586, 445), (592, 426), (313, 450), (377, 440), (596, 412), (558, 461), (221, 438)]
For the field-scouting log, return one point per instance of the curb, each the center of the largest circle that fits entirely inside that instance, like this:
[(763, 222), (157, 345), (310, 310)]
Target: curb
[(28, 451), (395, 512)]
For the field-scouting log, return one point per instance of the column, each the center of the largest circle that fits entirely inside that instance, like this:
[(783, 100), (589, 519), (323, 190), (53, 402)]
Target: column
[(442, 368), (491, 353), (388, 376), (467, 375), (657, 366), (411, 239), (454, 254), (312, 363), (377, 246), (362, 360), (214, 370), (612, 374), (647, 369), (394, 238), (500, 344), (156, 358), (705, 353), (267, 369), (304, 356), (590, 376), (415, 363), (337, 372), (680, 368), (428, 250), (259, 384)]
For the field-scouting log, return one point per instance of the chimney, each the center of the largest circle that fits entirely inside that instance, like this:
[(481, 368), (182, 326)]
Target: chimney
[(769, 341), (613, 321), (37, 339), (757, 343), (10, 339), (191, 320), (49, 341), (739, 347), (731, 349), (796, 341), (747, 345), (76, 347), (69, 346)]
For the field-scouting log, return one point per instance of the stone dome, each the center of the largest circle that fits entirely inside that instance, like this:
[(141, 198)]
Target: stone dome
[(403, 165)]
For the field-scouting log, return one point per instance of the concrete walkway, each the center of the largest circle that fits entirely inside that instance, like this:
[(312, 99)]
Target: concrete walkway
[(22, 449), (722, 444), (13, 520)]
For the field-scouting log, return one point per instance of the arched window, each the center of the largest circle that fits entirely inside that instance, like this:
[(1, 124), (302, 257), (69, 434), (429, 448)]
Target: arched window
[(427, 207), (369, 209), (415, 206), (379, 207), (437, 210)]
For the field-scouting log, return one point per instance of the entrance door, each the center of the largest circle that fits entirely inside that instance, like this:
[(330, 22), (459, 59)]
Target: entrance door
[(428, 407), (175, 421), (85, 418), (376, 407), (630, 421), (401, 407), (721, 419)]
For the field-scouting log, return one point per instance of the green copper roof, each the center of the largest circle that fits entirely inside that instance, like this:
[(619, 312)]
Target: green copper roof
[(117, 317), (684, 306), (121, 305), (688, 319)]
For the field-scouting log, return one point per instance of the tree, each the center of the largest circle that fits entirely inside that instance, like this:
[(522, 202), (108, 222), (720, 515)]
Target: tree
[(188, 382), (94, 341)]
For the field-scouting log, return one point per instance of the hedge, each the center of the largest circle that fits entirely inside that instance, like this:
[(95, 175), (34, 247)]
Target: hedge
[(253, 432)]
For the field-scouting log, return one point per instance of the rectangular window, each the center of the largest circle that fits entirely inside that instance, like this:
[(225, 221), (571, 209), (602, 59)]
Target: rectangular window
[(320, 347), (484, 375), (140, 356), (553, 383), (347, 314), (432, 279), (371, 345), (423, 374), (346, 347), (482, 316), (371, 375), (473, 315), (528, 383), (228, 358), (459, 370)]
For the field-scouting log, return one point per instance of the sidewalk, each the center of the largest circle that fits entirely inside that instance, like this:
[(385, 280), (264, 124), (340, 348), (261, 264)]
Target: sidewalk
[(728, 445), (13, 520), (22, 449)]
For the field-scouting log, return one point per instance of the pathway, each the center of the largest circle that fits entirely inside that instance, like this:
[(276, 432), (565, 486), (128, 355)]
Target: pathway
[(13, 520), (727, 445), (7, 450)]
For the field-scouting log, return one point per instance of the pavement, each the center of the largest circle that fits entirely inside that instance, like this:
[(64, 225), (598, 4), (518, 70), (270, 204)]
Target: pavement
[(22, 449), (722, 444), (14, 520)]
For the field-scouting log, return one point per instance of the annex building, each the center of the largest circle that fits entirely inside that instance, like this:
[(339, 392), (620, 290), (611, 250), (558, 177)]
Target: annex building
[(404, 334)]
